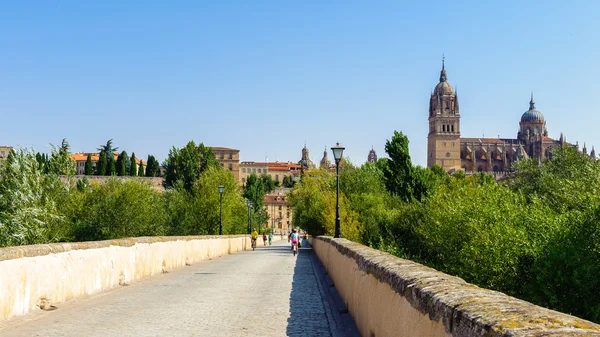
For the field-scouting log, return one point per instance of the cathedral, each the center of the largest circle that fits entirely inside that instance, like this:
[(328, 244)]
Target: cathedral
[(447, 149)]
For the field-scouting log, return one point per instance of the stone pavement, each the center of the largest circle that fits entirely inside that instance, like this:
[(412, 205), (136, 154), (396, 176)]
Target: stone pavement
[(266, 292)]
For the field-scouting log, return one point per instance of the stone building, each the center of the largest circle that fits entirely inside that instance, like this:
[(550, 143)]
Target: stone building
[(325, 162), (249, 167), (229, 159), (372, 156), (280, 215), (446, 147), (305, 161), (4, 151)]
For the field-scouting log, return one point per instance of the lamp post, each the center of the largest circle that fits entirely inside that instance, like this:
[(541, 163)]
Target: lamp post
[(249, 203), (221, 190), (337, 155)]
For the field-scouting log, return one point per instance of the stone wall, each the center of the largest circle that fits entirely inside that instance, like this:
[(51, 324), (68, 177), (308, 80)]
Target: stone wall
[(62, 271), (389, 296)]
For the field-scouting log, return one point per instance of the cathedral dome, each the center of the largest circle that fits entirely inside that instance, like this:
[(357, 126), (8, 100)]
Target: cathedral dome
[(532, 114), (443, 88)]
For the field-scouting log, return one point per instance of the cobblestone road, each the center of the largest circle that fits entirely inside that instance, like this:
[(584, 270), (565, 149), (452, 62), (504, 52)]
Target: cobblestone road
[(244, 294)]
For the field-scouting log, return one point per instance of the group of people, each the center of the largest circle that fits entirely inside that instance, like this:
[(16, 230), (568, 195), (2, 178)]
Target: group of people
[(293, 237)]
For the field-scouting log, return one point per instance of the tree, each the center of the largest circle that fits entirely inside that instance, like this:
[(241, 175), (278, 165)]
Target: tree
[(141, 169), (60, 161), (121, 164), (268, 182), (101, 164), (108, 148), (152, 167), (132, 168), (89, 168), (398, 171), (187, 164), (111, 168), (29, 201), (255, 192), (288, 182)]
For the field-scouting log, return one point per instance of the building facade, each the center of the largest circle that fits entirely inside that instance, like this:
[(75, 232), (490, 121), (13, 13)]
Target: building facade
[(249, 167), (447, 149), (4, 151), (372, 158), (229, 159), (280, 214)]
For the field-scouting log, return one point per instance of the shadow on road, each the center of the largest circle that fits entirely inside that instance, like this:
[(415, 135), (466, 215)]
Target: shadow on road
[(312, 309)]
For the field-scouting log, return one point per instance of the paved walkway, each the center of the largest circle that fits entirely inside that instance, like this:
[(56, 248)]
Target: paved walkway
[(244, 294)]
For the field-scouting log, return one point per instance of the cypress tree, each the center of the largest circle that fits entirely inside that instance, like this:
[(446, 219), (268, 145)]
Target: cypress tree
[(121, 164), (111, 168), (141, 169), (101, 164), (89, 169), (132, 167)]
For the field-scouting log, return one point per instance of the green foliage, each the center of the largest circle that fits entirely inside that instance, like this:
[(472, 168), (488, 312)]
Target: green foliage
[(60, 161), (196, 212), (313, 200), (101, 164), (255, 192), (133, 166), (268, 182), (152, 168), (121, 164), (29, 201), (288, 182), (141, 171), (89, 167), (119, 209), (187, 164), (398, 169), (111, 168), (108, 148)]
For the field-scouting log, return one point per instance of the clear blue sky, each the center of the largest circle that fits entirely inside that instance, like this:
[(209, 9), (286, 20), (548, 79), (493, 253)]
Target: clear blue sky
[(266, 76)]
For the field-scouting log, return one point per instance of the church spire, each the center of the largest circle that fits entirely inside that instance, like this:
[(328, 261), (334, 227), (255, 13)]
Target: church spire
[(443, 77), (531, 102)]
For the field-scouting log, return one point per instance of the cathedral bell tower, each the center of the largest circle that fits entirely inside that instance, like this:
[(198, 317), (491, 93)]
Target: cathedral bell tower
[(443, 140)]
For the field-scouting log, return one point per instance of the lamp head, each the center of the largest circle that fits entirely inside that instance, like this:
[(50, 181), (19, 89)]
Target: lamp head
[(338, 151), (221, 189)]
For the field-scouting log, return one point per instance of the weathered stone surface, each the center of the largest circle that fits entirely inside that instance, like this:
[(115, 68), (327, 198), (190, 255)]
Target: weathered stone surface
[(465, 309)]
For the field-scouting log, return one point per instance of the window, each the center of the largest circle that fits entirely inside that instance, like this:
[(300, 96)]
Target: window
[(231, 156), (222, 165), (444, 128), (277, 177), (258, 170), (280, 215), (230, 167), (222, 156), (280, 207), (3, 154), (243, 170), (452, 127), (253, 170)]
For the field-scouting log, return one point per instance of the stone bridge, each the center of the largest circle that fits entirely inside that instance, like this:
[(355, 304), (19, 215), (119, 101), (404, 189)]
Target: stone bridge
[(218, 286)]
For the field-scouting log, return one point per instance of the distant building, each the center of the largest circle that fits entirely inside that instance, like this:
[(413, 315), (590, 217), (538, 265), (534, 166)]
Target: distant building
[(372, 156), (325, 162), (229, 159), (4, 151), (249, 167), (447, 149), (305, 161), (278, 170), (81, 157), (280, 215)]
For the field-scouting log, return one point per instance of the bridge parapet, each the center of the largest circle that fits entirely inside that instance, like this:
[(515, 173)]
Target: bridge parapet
[(389, 296), (62, 271)]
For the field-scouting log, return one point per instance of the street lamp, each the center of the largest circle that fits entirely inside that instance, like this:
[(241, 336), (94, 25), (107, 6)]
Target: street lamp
[(221, 190), (337, 155), (249, 203)]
